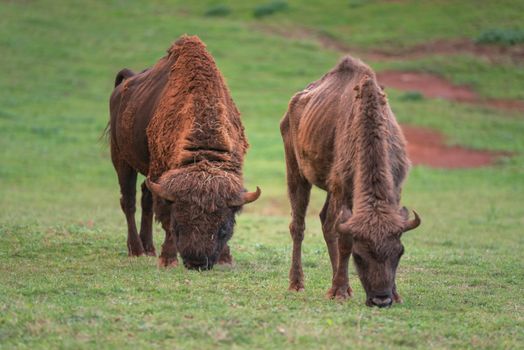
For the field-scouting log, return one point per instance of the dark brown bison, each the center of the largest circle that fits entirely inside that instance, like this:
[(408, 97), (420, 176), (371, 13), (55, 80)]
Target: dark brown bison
[(341, 135), (177, 124)]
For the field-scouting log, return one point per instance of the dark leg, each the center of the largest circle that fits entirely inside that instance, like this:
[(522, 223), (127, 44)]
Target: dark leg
[(299, 196), (396, 297), (127, 180), (330, 235), (168, 256), (340, 288), (298, 190), (146, 224), (225, 257)]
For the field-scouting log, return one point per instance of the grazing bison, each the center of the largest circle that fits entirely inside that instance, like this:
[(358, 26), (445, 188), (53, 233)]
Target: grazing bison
[(177, 124), (341, 135)]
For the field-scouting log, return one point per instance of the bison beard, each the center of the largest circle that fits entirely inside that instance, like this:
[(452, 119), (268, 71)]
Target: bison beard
[(177, 124), (341, 135)]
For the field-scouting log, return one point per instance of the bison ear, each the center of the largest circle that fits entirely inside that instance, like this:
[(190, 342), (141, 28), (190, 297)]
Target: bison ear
[(404, 213), (411, 224), (247, 197), (159, 190), (343, 220)]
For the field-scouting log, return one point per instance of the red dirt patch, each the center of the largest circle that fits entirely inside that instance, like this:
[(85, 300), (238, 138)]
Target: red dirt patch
[(433, 86), (427, 147), (427, 84), (493, 53)]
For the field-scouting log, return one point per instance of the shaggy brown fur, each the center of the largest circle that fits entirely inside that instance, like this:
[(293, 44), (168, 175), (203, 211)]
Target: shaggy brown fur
[(341, 135), (177, 124)]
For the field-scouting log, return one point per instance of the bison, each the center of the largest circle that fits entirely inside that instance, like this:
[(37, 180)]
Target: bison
[(177, 124), (340, 135)]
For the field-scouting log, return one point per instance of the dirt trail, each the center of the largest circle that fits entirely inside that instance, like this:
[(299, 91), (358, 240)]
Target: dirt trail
[(433, 86), (429, 85), (428, 147), (493, 53)]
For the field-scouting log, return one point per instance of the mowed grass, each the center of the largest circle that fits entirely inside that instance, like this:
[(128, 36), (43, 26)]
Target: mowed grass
[(66, 280)]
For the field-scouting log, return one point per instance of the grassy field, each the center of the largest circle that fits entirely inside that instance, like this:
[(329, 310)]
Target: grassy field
[(65, 278)]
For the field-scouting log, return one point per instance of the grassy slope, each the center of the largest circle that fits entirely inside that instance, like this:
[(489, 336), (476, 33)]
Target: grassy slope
[(374, 23), (65, 279), (393, 25)]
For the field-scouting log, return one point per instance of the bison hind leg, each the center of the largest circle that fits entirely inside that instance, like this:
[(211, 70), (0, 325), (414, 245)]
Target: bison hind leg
[(146, 224), (127, 180)]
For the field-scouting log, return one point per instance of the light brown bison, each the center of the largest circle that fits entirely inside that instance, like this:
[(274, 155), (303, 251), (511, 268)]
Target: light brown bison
[(341, 135), (177, 124)]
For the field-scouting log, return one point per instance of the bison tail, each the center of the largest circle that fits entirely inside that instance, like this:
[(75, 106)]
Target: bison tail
[(122, 75), (106, 134)]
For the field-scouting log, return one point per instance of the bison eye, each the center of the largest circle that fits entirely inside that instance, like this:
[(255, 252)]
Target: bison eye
[(358, 259), (401, 252)]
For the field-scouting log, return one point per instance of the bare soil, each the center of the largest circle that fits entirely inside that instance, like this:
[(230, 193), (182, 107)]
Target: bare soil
[(428, 147), (433, 86), (493, 53), (429, 85)]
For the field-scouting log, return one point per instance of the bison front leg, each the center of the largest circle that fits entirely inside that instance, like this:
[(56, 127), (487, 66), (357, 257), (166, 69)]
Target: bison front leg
[(225, 257), (396, 297), (146, 224), (127, 180), (168, 256), (340, 288)]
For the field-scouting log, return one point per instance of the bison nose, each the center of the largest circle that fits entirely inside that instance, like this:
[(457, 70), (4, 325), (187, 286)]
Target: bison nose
[(381, 300), (192, 264)]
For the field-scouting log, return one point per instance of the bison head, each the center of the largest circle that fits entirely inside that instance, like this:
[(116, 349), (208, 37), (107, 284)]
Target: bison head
[(376, 260), (201, 212)]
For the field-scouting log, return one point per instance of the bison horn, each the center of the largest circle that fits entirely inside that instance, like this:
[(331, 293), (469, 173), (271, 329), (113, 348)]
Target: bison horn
[(159, 190), (247, 197), (412, 224), (343, 220)]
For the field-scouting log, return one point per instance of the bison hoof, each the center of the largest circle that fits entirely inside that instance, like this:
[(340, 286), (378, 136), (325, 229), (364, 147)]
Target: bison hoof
[(339, 293), (397, 298), (135, 253), (150, 251), (149, 247), (135, 248), (296, 286), (164, 262), (228, 261)]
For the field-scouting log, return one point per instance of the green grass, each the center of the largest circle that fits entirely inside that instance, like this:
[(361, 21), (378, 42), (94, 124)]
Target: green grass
[(270, 8), (65, 278), (499, 36), (391, 24), (218, 10)]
